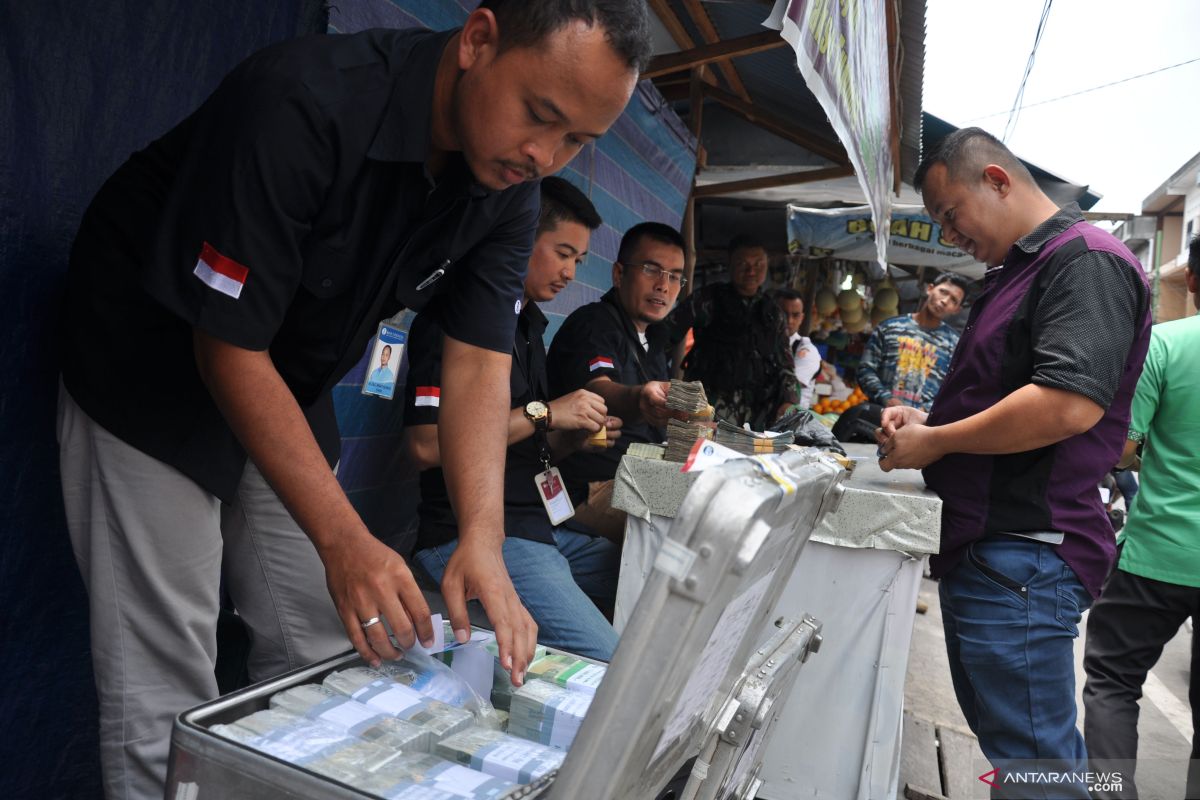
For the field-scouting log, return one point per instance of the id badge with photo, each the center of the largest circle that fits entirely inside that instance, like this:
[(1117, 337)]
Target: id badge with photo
[(384, 363), (559, 507)]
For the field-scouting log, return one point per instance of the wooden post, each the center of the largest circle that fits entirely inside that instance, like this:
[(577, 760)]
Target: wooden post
[(688, 229)]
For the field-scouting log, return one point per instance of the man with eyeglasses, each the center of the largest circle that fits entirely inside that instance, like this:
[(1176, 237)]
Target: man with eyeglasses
[(617, 348), (741, 353)]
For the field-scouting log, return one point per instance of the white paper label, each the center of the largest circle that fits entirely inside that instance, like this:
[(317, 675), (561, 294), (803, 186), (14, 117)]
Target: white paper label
[(587, 679), (395, 699), (507, 759), (460, 779), (347, 715)]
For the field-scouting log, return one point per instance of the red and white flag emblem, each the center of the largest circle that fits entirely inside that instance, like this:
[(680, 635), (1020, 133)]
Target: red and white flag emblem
[(428, 396), (220, 272), (600, 362)]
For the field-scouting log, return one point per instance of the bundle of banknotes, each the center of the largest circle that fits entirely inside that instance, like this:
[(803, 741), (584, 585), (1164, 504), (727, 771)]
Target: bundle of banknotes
[(689, 397), (357, 719), (682, 435), (405, 777), (382, 694), (751, 442), (501, 754), (548, 714), (568, 671)]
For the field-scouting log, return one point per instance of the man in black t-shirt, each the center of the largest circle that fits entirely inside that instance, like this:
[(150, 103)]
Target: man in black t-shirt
[(226, 278), (556, 565), (616, 347)]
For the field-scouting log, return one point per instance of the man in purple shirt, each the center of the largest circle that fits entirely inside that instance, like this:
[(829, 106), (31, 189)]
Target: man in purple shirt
[(1032, 414)]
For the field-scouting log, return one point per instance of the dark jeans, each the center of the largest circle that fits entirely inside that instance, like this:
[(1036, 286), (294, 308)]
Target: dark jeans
[(1129, 626)]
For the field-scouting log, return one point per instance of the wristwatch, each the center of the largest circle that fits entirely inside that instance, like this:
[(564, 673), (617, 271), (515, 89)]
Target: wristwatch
[(538, 413)]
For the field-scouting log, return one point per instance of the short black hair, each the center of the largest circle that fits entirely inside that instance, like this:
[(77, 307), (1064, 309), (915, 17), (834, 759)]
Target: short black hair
[(658, 231), (563, 202), (787, 294), (744, 241), (1194, 256), (966, 152), (626, 23), (961, 281)]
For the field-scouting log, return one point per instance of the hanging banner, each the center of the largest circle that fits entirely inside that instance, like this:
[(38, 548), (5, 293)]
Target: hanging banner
[(841, 50), (914, 239)]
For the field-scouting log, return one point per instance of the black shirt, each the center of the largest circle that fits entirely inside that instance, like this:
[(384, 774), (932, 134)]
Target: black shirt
[(292, 212), (599, 340), (524, 515)]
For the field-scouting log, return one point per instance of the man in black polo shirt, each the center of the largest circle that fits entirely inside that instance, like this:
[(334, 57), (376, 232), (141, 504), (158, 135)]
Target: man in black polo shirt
[(1032, 414), (555, 566), (227, 276), (616, 347)]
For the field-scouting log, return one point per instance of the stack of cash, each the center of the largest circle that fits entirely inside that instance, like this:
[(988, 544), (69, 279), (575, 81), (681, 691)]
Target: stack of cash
[(382, 694), (325, 705), (500, 754), (682, 435), (408, 775), (548, 714), (750, 442), (568, 671), (441, 684), (689, 397), (316, 745), (502, 688), (654, 452)]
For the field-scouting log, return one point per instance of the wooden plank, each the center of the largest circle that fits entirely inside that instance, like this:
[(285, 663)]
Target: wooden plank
[(700, 18), (918, 754), (961, 761), (771, 181), (715, 52)]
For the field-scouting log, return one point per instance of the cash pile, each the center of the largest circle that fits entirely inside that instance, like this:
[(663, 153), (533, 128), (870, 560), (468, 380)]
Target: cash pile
[(319, 746), (569, 672), (382, 694), (500, 754), (654, 452), (752, 443), (442, 684), (689, 397), (682, 435), (502, 688), (419, 776), (372, 724), (548, 714)]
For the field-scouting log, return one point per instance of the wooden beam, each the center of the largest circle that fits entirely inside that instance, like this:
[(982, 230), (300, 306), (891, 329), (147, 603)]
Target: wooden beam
[(717, 51), (778, 126), (771, 181), (683, 39), (702, 20), (893, 52)]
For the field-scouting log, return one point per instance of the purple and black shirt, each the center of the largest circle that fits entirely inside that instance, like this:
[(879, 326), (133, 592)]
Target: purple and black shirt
[(1069, 309)]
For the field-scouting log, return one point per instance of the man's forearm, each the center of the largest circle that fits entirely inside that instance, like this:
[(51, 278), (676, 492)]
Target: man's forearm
[(268, 422), (621, 400), (1028, 419), (472, 437)]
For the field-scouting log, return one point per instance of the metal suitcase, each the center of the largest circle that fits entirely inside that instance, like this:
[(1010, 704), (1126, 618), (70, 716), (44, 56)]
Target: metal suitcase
[(695, 629)]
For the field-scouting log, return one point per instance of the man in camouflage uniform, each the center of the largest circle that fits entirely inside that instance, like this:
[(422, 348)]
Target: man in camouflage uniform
[(741, 353)]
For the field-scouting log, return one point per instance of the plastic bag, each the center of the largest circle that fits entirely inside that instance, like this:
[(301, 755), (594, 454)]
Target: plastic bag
[(808, 431), (433, 678)]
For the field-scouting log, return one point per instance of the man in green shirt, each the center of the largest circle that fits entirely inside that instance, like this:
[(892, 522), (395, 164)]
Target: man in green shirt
[(1156, 584)]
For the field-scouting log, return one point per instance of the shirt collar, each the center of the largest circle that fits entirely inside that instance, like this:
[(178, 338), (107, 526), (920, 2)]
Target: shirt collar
[(403, 135), (1067, 216), (534, 318)]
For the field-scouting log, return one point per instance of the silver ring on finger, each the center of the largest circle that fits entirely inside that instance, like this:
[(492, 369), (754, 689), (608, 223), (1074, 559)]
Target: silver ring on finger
[(368, 623)]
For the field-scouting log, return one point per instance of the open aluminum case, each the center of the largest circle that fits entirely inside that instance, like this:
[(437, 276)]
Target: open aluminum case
[(693, 637)]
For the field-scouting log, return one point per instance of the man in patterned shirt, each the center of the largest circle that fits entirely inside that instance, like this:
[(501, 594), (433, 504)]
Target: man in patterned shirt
[(907, 356)]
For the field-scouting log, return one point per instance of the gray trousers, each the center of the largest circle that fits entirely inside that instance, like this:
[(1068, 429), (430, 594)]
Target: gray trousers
[(152, 547)]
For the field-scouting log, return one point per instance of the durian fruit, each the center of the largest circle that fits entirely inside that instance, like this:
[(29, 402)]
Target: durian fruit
[(879, 314), (848, 298), (825, 302), (853, 314), (855, 327), (888, 298)]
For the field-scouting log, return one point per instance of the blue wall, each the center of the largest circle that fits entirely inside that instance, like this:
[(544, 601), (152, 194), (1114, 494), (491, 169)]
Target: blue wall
[(82, 85)]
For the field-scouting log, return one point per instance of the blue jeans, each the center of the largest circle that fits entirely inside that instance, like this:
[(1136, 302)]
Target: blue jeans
[(1011, 611), (557, 585)]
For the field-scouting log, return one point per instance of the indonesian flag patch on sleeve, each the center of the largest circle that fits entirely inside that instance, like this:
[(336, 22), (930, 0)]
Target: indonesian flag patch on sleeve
[(220, 272), (600, 362), (428, 396)]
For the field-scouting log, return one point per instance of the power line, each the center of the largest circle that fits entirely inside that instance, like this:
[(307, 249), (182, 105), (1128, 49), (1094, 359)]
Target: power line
[(1010, 126), (1092, 89)]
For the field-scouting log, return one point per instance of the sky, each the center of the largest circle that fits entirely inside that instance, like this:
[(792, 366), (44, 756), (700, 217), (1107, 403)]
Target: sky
[(1124, 141)]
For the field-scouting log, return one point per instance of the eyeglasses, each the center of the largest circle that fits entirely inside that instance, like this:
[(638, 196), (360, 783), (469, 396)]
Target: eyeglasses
[(655, 273)]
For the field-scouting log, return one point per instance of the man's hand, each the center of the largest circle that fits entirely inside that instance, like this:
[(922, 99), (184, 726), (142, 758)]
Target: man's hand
[(897, 417), (612, 432), (892, 402), (580, 410), (367, 579), (476, 571), (913, 446), (652, 403)]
